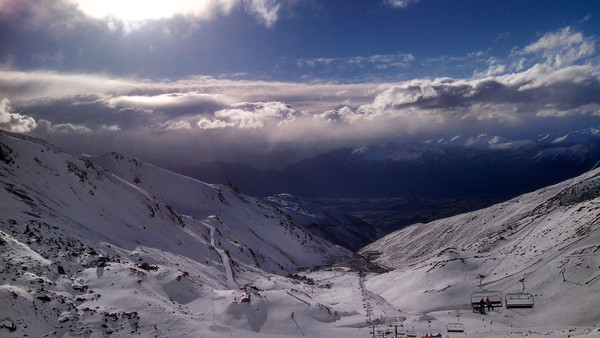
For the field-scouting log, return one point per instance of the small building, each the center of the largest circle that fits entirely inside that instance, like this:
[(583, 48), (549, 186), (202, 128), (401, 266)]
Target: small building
[(245, 298)]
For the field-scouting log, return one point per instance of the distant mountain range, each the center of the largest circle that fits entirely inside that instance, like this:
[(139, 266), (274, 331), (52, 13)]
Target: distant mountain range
[(482, 165), (393, 185)]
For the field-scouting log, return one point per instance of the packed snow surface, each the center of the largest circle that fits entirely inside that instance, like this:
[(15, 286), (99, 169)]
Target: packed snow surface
[(112, 246)]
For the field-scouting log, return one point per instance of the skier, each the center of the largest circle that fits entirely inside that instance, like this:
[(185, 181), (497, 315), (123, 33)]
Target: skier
[(489, 304), (482, 306)]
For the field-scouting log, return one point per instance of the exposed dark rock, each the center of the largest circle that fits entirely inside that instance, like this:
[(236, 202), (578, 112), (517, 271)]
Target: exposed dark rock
[(147, 267), (5, 154), (7, 323), (44, 298)]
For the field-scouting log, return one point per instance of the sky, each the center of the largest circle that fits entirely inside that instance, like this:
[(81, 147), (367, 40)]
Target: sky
[(270, 82)]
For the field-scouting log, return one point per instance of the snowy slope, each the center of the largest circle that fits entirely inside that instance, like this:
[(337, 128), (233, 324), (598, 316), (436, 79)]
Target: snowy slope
[(263, 229), (541, 237), (342, 229), (83, 250)]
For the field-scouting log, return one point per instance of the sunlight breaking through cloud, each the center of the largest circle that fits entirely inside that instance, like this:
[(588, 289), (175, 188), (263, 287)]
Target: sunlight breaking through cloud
[(136, 11)]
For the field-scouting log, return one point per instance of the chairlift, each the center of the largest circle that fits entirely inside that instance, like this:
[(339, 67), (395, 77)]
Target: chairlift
[(432, 333), (397, 332), (456, 327), (411, 333), (400, 332), (519, 299), (495, 298)]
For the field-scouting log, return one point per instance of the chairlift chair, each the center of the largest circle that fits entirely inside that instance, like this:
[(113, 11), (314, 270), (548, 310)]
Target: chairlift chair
[(519, 299), (433, 333), (400, 332), (455, 327), (495, 298)]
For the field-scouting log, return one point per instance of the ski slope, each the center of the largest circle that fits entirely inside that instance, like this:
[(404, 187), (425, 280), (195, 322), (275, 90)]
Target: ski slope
[(539, 237)]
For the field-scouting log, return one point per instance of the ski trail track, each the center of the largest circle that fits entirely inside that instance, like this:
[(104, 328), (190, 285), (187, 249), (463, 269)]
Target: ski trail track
[(231, 283)]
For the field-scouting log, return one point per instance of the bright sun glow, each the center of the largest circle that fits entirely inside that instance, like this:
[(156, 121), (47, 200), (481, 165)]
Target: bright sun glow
[(139, 10)]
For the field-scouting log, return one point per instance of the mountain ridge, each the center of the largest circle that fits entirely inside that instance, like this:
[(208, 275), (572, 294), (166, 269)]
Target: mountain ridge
[(387, 170)]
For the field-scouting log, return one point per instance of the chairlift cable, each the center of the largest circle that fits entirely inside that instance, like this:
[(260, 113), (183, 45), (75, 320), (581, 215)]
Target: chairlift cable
[(544, 264), (523, 238), (594, 167), (511, 250), (518, 302)]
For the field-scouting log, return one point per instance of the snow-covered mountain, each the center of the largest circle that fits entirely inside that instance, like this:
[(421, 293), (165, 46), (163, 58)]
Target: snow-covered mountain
[(550, 238), (342, 229), (459, 166), (576, 137), (261, 228), (66, 222), (111, 246)]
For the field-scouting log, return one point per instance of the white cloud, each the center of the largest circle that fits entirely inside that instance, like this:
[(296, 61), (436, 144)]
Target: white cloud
[(587, 109), (497, 96), (252, 115), (539, 91), (205, 123), (64, 128), (187, 102), (379, 61), (561, 48), (495, 67), (401, 3), (345, 114), (172, 125), (13, 121), (38, 84), (264, 10), (184, 93), (111, 128), (136, 11)]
